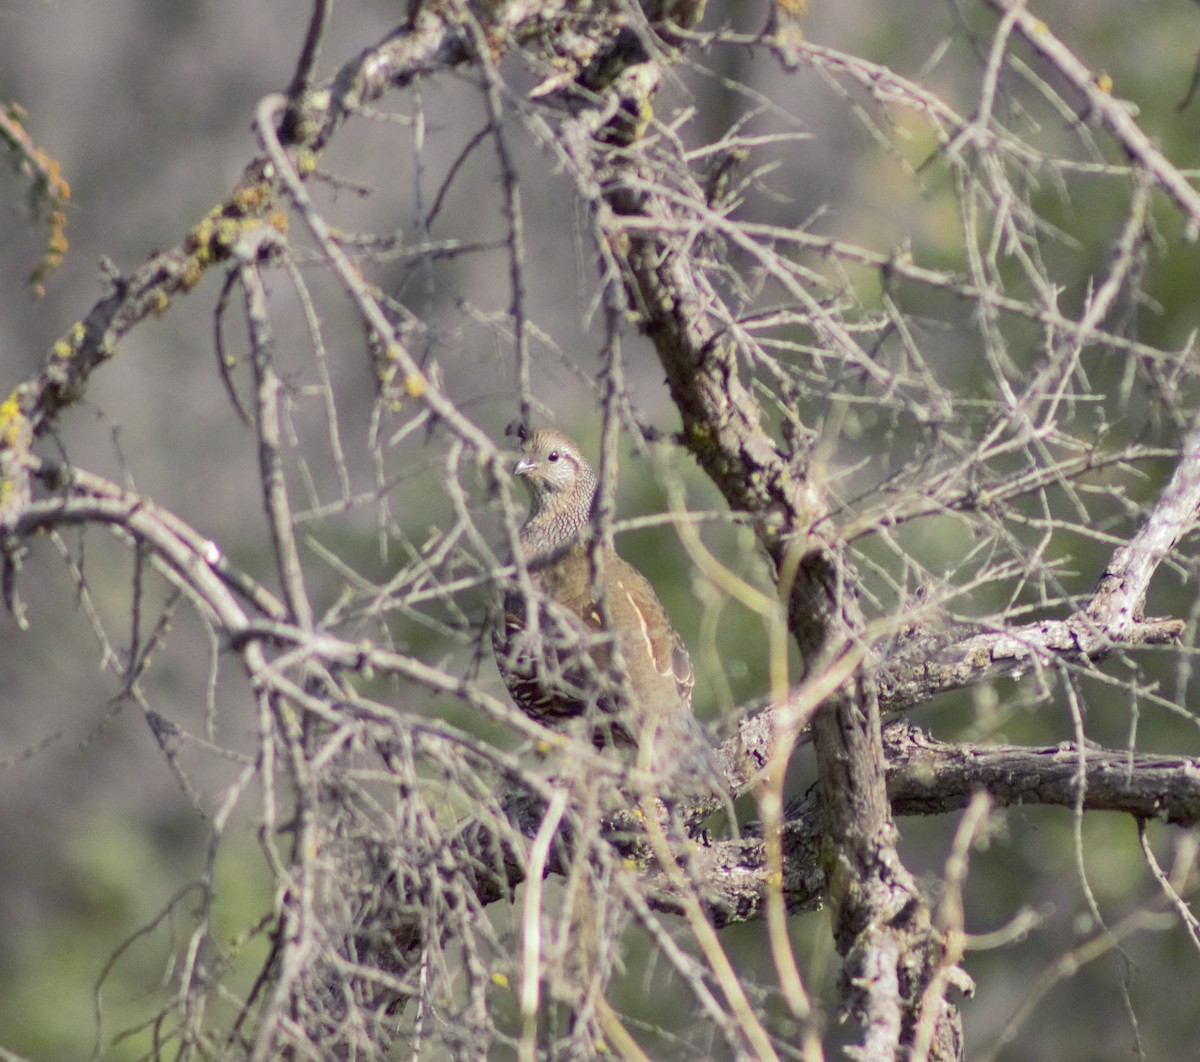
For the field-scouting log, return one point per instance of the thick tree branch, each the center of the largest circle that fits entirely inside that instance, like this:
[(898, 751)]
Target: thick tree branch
[(928, 777), (883, 929), (667, 253)]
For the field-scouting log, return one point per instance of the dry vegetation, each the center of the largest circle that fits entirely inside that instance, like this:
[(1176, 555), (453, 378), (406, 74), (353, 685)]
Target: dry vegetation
[(928, 441)]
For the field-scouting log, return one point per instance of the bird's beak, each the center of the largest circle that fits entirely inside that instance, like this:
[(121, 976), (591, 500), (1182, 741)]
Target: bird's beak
[(525, 465)]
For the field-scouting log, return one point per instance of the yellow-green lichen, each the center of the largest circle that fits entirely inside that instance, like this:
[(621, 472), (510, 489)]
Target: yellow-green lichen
[(160, 302), (199, 238), (68, 346), (228, 230), (12, 422)]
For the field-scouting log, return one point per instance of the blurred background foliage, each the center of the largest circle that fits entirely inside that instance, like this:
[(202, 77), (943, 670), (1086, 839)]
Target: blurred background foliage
[(147, 107)]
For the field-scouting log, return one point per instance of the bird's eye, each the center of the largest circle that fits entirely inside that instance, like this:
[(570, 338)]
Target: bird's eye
[(553, 456)]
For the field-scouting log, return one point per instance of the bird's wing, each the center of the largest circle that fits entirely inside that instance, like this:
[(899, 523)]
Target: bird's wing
[(654, 631)]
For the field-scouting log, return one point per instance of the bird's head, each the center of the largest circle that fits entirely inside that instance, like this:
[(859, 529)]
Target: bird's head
[(556, 473)]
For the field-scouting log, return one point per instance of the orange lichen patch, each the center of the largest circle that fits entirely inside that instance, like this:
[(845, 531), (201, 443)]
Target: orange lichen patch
[(219, 230), (51, 192), (193, 272), (252, 198)]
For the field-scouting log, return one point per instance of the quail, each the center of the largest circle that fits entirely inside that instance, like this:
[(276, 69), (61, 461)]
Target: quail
[(601, 648)]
